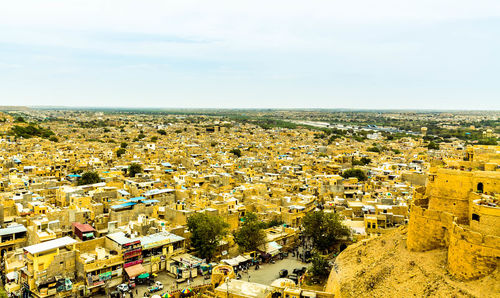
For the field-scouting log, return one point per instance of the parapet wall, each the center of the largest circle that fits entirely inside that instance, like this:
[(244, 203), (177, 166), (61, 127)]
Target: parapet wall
[(472, 255), (485, 219), (428, 229)]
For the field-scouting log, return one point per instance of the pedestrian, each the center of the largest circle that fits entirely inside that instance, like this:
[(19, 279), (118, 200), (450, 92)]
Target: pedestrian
[(136, 291)]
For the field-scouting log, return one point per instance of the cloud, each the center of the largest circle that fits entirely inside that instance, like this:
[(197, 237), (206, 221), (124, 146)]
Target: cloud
[(328, 51)]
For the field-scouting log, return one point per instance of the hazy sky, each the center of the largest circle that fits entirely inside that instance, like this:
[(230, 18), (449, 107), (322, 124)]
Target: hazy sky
[(260, 54)]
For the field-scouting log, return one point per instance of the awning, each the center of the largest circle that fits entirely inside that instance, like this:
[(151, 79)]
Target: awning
[(271, 248), (135, 270), (236, 260), (144, 275), (12, 275)]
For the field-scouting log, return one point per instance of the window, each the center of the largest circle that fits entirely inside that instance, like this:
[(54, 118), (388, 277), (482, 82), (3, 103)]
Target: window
[(480, 187), (475, 217)]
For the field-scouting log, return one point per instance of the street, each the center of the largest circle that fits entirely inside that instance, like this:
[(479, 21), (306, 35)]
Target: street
[(266, 274)]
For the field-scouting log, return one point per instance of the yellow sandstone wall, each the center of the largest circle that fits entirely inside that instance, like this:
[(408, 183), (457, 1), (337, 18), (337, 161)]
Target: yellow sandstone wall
[(472, 255), (428, 229), (450, 190), (487, 219)]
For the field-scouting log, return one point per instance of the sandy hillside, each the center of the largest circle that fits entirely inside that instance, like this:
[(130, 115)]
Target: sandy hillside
[(383, 267)]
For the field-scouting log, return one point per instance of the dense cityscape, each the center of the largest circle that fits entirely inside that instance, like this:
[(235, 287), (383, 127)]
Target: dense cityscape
[(248, 203)]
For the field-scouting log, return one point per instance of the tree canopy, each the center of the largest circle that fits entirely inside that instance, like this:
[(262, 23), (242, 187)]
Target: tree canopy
[(206, 233), (432, 146), (320, 267), (133, 169), (325, 229), (89, 178), (29, 131), (355, 173), (251, 234), (236, 152), (120, 152)]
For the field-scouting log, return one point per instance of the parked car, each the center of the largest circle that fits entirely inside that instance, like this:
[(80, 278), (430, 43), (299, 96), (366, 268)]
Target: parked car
[(283, 273), (299, 271), (123, 288), (158, 286)]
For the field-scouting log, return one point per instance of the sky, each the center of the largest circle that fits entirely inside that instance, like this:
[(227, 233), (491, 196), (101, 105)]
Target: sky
[(366, 54)]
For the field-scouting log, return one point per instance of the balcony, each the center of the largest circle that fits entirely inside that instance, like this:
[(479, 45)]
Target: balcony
[(132, 253), (98, 264)]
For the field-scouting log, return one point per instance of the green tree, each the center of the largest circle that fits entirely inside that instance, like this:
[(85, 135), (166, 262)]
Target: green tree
[(432, 146), (251, 234), (206, 233), (89, 178), (365, 160), (325, 229), (490, 141), (275, 222), (320, 267), (396, 151), (32, 130), (120, 152), (123, 145), (356, 162), (355, 173), (236, 152), (133, 169), (162, 132)]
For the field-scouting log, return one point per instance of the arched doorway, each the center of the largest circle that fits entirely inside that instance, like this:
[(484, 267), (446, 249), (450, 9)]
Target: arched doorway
[(480, 187)]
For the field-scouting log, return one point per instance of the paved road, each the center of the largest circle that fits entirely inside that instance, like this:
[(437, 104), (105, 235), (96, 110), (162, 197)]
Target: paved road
[(266, 274)]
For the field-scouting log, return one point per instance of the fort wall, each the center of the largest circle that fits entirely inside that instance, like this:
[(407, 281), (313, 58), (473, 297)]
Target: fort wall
[(428, 229), (485, 219), (471, 254), (461, 214)]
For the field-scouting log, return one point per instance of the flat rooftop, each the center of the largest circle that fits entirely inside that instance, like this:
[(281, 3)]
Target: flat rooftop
[(50, 245)]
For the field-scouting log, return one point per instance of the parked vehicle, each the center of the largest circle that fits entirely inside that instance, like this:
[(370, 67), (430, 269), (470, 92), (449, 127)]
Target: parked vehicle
[(283, 273), (158, 286), (294, 277), (123, 288), (299, 271)]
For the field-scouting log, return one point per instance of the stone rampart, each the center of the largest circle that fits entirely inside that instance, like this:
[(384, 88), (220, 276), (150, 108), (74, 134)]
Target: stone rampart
[(428, 229), (472, 254)]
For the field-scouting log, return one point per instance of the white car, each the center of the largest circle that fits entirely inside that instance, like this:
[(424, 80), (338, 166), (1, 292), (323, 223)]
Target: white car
[(122, 288), (158, 286)]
